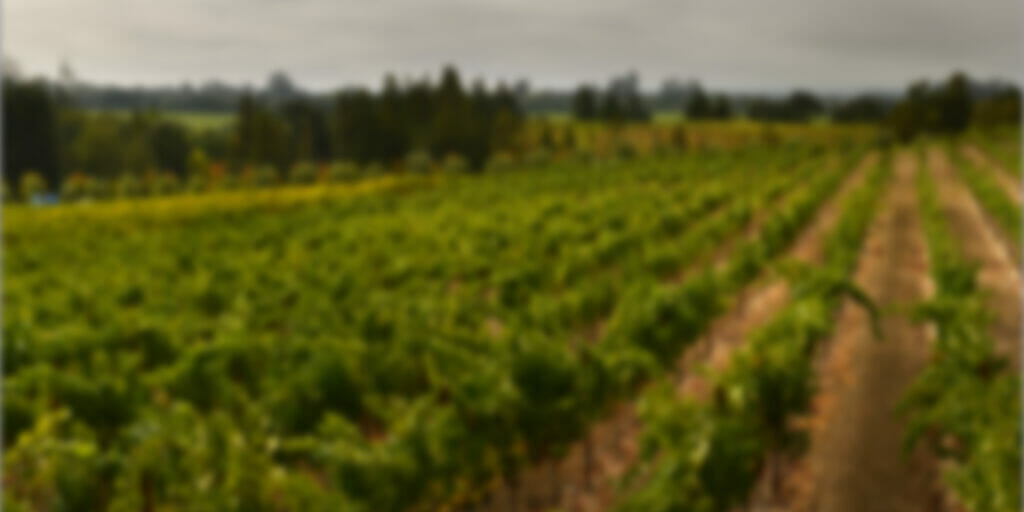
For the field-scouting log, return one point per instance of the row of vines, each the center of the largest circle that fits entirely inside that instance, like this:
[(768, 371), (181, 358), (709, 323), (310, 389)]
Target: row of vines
[(965, 405), (393, 349)]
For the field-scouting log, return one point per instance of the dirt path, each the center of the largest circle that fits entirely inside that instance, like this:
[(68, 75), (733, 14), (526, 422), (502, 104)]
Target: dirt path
[(587, 478), (855, 462), (1006, 179), (998, 272)]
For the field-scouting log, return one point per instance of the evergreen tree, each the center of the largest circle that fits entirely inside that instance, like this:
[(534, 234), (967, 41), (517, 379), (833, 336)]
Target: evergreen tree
[(677, 137), (31, 134), (507, 121), (584, 103), (864, 108), (355, 126), (393, 138), (698, 106), (954, 104), (451, 123), (720, 107), (546, 137), (261, 136), (171, 148), (612, 109), (1003, 107)]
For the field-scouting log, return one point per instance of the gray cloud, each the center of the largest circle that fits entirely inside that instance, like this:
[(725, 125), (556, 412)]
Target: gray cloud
[(824, 44)]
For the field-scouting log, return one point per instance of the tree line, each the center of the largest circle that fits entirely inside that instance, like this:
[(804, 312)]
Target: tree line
[(415, 118), (948, 107), (281, 133), (47, 137), (620, 101), (591, 103), (401, 125)]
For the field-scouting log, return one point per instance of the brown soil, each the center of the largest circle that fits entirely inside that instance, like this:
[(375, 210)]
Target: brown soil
[(855, 460), (1007, 180), (587, 478), (998, 273)]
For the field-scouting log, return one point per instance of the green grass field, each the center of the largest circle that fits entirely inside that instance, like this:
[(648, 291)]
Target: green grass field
[(197, 121)]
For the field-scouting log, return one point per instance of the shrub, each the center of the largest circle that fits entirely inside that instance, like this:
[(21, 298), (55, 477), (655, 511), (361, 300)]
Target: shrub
[(198, 164), (264, 176), (625, 151), (128, 185), (342, 171), (501, 161), (418, 161), (195, 183), (162, 183), (538, 157), (32, 183), (303, 172), (75, 187), (455, 163), (375, 169), (585, 155)]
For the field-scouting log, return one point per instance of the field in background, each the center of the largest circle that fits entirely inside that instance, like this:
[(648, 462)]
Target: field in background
[(223, 120), (196, 121)]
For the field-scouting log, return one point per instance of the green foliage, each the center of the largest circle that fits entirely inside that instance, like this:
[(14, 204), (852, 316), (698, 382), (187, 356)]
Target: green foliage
[(303, 173), (865, 108), (31, 183), (54, 466), (705, 456), (1003, 144), (128, 185), (800, 106), (398, 349), (261, 136), (446, 118), (418, 161), (454, 164), (584, 103), (965, 404), (1000, 110), (31, 132), (340, 172), (198, 165), (945, 109), (75, 188), (374, 169), (263, 176), (170, 148), (702, 458), (196, 183), (501, 161), (537, 157), (161, 184), (677, 138), (701, 106), (620, 101), (996, 201), (659, 319)]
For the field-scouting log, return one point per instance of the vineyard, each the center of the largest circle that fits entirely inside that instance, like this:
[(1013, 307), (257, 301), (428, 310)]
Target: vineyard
[(668, 331)]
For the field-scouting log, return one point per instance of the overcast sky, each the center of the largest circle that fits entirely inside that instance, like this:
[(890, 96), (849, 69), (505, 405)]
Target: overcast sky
[(737, 45)]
